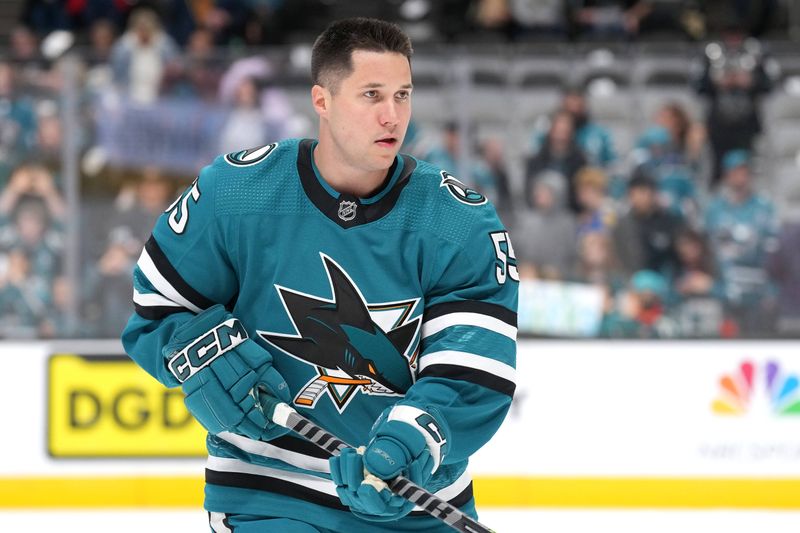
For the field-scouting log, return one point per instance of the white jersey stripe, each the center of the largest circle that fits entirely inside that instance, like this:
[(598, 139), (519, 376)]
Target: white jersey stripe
[(435, 325), (163, 286), (226, 464), (217, 522), (454, 489), (469, 360), (152, 300), (325, 486), (265, 449)]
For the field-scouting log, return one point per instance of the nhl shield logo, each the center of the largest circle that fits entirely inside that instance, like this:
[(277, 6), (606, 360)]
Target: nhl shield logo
[(347, 210)]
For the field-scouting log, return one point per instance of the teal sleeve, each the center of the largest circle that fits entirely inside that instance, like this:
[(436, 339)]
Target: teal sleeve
[(184, 268), (466, 372)]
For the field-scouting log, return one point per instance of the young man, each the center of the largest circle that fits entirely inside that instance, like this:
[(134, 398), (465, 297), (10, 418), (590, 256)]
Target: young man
[(372, 291)]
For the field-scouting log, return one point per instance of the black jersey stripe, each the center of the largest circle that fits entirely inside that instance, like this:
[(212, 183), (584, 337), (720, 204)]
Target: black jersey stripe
[(156, 312), (172, 276), (471, 306), (275, 485), (472, 375), (294, 490)]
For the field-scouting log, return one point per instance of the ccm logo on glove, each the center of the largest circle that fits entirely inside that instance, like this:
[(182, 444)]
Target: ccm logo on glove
[(219, 340)]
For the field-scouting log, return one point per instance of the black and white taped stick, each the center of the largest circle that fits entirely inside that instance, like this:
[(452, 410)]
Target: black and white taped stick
[(284, 415)]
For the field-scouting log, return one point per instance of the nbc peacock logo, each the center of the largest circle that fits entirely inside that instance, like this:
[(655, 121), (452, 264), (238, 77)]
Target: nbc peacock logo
[(740, 390)]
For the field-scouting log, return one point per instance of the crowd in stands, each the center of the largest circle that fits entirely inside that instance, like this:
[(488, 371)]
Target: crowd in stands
[(269, 22), (674, 232)]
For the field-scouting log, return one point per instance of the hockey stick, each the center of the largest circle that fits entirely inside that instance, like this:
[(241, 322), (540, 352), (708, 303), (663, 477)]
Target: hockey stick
[(284, 415)]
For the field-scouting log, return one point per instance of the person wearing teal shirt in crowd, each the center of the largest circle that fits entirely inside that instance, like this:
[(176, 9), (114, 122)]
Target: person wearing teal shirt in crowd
[(742, 228)]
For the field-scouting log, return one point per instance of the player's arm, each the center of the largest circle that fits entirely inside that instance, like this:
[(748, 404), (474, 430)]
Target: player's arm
[(465, 377), (466, 373), (181, 332)]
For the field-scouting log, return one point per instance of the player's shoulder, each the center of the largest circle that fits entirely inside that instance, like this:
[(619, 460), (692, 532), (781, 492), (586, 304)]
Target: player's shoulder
[(241, 176), (244, 162), (449, 195)]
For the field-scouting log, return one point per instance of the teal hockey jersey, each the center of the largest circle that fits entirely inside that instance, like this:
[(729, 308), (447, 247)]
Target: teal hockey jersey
[(407, 298)]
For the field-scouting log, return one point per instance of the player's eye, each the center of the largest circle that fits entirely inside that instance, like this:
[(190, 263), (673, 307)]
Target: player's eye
[(371, 94), (403, 95)]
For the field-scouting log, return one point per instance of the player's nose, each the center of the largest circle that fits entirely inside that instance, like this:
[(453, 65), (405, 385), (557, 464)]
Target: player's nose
[(389, 115)]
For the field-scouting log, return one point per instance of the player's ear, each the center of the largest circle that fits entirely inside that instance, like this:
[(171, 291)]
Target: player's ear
[(320, 99)]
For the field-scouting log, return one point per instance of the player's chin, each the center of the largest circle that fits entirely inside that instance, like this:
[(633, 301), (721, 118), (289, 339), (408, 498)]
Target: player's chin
[(386, 152)]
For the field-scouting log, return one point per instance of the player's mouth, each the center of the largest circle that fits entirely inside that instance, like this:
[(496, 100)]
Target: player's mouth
[(387, 142)]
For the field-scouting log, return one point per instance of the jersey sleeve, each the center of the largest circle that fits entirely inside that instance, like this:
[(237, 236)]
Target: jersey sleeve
[(183, 269), (467, 361)]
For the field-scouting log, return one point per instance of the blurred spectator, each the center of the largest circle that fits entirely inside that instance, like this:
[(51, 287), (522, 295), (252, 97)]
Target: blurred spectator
[(25, 47), (273, 21), (595, 140), (734, 76), (126, 229), (597, 264), (245, 126), (546, 234), (31, 243), (539, 18), (32, 180), (45, 16), (687, 137), (697, 291), (640, 310), (783, 266), (102, 35), (24, 297), (445, 153), (608, 18), (754, 17), (492, 17), (489, 173), (595, 209), (560, 153), (742, 228), (664, 160), (49, 136), (633, 18), (99, 75), (140, 56), (278, 115), (17, 122), (56, 323), (644, 237), (197, 73)]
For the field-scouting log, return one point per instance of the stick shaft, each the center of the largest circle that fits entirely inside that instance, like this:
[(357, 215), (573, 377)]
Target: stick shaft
[(400, 485)]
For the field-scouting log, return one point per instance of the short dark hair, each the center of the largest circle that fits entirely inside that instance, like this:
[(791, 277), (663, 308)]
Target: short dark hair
[(643, 177), (332, 54)]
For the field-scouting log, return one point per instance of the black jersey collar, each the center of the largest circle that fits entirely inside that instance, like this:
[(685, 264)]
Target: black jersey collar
[(348, 210)]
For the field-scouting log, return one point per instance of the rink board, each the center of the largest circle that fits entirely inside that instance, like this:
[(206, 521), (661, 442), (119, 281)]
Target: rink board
[(626, 424)]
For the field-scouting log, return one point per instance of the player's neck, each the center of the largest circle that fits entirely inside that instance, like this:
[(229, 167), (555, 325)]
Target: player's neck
[(344, 177)]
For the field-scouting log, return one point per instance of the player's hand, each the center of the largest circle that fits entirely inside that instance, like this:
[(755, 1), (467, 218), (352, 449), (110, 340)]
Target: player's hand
[(219, 366), (396, 448)]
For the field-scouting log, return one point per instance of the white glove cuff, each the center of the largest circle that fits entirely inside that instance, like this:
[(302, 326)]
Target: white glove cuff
[(426, 425)]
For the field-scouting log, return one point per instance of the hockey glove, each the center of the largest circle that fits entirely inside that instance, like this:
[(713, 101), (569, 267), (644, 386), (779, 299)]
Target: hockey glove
[(396, 448), (218, 366)]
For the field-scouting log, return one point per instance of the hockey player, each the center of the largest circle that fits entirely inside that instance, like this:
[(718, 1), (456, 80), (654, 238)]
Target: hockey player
[(373, 292)]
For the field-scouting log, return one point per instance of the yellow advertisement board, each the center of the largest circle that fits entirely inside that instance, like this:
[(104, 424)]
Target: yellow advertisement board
[(106, 406)]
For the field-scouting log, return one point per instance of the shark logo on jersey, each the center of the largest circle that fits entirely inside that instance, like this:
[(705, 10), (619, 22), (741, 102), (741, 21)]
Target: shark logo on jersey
[(251, 156), (461, 192), (347, 210), (352, 345)]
